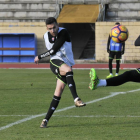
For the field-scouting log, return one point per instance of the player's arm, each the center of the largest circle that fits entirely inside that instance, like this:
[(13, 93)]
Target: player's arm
[(37, 58), (62, 36), (123, 47), (108, 44)]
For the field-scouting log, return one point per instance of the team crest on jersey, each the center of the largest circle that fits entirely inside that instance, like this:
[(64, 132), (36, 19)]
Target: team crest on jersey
[(52, 38), (56, 70)]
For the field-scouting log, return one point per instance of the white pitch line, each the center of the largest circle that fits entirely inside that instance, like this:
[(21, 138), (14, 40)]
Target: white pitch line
[(64, 109), (20, 121), (14, 115), (97, 116)]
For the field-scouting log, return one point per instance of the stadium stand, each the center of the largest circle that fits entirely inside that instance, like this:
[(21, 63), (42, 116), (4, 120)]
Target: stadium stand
[(123, 10), (28, 16), (34, 10), (25, 10)]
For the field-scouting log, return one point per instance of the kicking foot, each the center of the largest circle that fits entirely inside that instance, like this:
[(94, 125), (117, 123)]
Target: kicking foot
[(93, 79)]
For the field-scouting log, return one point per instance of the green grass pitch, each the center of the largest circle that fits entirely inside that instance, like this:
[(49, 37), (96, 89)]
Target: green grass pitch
[(112, 113)]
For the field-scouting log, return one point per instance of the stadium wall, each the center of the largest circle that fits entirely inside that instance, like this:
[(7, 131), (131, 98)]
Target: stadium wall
[(102, 29), (132, 53)]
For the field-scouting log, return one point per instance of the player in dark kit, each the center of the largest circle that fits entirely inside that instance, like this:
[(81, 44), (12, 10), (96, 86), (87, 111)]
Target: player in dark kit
[(128, 76), (114, 49), (59, 48)]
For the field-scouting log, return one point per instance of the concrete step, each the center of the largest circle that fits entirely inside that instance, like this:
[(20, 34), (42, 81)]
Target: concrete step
[(24, 19), (25, 6), (26, 14), (28, 1), (123, 10), (124, 1), (124, 6), (123, 14), (117, 10), (28, 10), (79, 1), (54, 1), (122, 19), (25, 10)]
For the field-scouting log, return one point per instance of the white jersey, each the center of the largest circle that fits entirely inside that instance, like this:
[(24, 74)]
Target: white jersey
[(64, 53)]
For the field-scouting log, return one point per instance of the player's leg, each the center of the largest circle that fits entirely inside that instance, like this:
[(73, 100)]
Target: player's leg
[(117, 67), (118, 57), (128, 76), (67, 71), (55, 101), (110, 69), (132, 75), (111, 57), (61, 69), (94, 81)]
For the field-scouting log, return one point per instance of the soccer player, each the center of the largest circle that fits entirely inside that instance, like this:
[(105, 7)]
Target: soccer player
[(59, 46), (128, 76), (114, 49)]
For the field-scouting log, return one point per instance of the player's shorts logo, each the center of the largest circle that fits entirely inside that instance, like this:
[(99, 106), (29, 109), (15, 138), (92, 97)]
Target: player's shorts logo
[(138, 69), (56, 70)]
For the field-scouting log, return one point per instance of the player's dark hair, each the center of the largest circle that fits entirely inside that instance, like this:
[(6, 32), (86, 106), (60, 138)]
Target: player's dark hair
[(117, 23), (50, 20)]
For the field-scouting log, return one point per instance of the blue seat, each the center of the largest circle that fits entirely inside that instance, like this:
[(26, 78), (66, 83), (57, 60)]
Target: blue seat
[(17, 48)]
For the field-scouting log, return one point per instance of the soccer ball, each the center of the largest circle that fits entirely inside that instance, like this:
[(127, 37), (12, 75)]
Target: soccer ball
[(119, 33)]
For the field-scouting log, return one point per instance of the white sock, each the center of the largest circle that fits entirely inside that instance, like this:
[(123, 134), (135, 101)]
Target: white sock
[(111, 73), (45, 120), (102, 83), (76, 99)]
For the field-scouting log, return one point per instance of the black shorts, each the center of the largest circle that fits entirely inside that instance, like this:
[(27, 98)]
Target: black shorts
[(136, 75), (138, 70), (54, 65), (133, 75), (113, 54)]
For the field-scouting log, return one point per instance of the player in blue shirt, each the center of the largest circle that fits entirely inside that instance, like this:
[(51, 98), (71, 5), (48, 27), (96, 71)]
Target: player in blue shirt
[(114, 49)]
